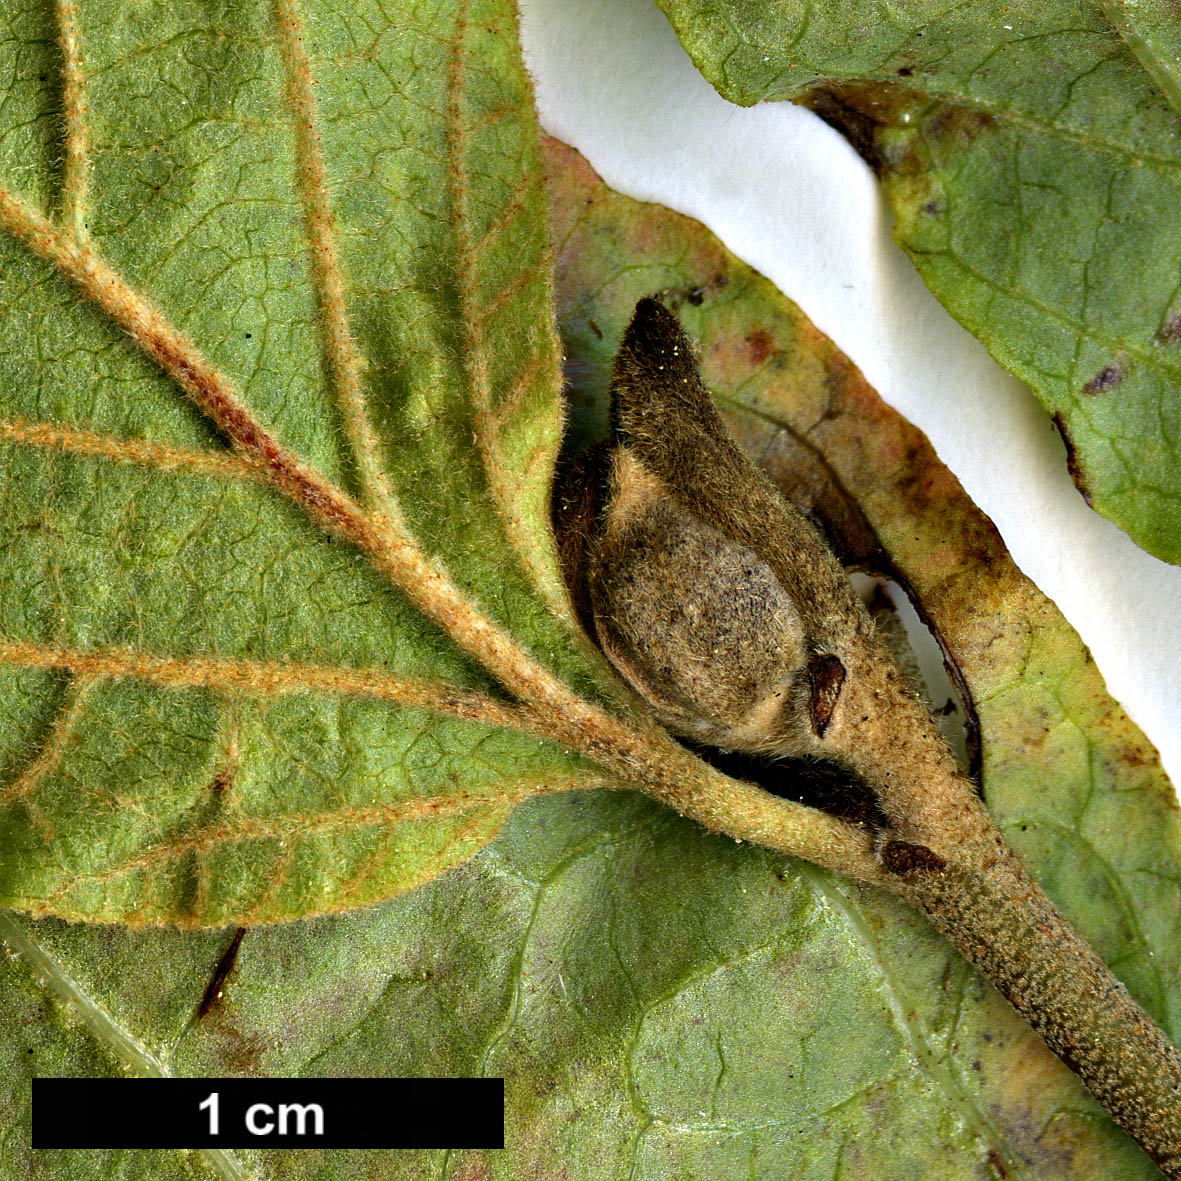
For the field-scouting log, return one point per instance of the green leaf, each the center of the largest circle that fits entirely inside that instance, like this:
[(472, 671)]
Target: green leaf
[(1151, 32), (664, 1003), (1031, 159), (215, 709)]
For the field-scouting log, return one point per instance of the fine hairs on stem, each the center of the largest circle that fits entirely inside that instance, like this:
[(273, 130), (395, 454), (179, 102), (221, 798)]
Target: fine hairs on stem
[(726, 612)]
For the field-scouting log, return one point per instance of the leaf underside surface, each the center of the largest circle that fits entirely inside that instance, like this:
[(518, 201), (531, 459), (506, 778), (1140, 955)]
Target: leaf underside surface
[(662, 1003), (1032, 158), (211, 704)]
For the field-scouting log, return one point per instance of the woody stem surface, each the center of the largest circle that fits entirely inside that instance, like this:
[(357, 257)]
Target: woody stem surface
[(1000, 919)]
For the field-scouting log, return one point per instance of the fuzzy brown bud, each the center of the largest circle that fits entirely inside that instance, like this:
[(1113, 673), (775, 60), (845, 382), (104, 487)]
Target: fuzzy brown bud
[(694, 620), (715, 599)]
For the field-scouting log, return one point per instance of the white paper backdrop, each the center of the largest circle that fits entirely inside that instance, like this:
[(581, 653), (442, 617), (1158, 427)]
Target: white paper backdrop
[(788, 196)]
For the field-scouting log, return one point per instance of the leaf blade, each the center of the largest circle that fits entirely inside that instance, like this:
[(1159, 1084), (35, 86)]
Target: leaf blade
[(784, 390), (135, 532), (1032, 167), (603, 950)]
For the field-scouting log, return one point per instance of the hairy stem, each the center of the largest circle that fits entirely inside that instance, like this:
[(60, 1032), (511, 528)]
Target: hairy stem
[(1001, 920)]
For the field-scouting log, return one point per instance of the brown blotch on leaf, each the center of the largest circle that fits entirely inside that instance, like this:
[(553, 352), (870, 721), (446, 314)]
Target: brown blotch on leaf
[(472, 1168), (1072, 465), (675, 297), (959, 122), (826, 675), (860, 110), (761, 345), (849, 110), (222, 780), (1170, 332), (901, 857), (238, 1051), (1108, 376), (216, 988)]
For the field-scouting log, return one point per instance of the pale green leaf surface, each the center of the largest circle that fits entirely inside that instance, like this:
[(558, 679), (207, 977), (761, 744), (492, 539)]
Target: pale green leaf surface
[(656, 999), (141, 535), (1034, 169)]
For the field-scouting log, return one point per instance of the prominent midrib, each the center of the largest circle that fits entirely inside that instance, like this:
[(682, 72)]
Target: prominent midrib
[(633, 749), (626, 744)]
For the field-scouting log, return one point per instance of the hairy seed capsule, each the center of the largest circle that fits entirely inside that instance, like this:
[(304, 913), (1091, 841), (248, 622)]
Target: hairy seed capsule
[(695, 621)]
